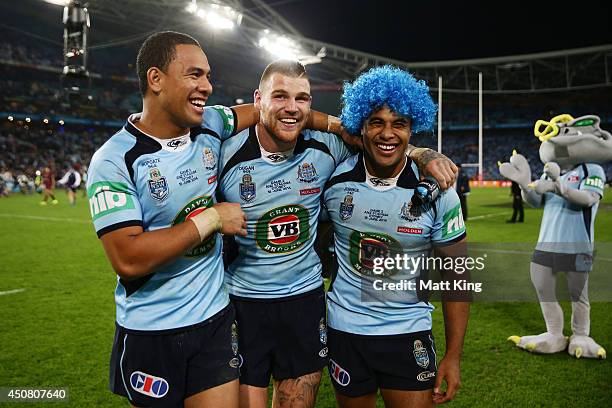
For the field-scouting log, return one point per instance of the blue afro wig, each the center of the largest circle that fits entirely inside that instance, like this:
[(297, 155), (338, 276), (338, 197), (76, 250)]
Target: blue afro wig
[(387, 86)]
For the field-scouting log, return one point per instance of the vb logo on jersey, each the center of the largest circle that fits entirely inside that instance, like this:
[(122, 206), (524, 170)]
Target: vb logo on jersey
[(209, 159), (365, 247), (195, 207), (247, 188), (307, 173), (283, 229), (158, 186), (107, 197), (346, 207)]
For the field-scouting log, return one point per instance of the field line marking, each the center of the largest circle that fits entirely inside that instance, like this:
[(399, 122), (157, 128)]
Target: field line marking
[(40, 218), (479, 217), (10, 292)]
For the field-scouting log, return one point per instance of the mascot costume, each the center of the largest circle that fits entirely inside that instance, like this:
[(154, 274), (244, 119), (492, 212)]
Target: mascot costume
[(569, 190)]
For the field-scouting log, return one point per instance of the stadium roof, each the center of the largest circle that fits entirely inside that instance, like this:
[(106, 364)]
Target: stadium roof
[(468, 38)]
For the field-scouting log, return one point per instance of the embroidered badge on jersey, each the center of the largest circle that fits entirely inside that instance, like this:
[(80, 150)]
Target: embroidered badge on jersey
[(210, 163), (247, 188), (107, 197), (346, 207), (283, 229), (158, 185), (408, 213), (193, 208), (307, 173), (365, 247), (420, 354)]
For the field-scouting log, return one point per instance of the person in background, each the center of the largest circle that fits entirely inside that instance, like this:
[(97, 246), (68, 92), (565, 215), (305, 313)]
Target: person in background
[(517, 204), (463, 189)]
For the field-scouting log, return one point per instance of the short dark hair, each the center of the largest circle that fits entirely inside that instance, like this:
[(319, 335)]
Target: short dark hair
[(291, 68), (158, 50)]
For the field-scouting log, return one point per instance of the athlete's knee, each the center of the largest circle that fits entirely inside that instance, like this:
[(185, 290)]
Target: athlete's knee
[(298, 392)]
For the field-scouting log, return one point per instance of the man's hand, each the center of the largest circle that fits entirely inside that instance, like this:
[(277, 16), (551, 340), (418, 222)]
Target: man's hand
[(352, 141), (436, 165), (449, 371), (233, 219)]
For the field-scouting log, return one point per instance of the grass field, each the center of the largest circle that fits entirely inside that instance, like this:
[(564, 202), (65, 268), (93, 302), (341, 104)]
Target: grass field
[(57, 331)]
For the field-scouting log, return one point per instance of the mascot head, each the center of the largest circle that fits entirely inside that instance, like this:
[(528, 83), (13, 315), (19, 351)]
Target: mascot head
[(568, 141)]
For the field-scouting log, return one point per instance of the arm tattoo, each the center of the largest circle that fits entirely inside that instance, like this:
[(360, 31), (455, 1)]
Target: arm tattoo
[(422, 156)]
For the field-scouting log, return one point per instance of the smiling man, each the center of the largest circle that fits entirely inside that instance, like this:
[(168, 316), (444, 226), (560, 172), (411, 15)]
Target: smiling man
[(380, 339), (151, 195)]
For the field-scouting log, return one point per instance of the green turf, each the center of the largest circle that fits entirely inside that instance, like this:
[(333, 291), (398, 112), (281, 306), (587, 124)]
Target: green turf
[(58, 332)]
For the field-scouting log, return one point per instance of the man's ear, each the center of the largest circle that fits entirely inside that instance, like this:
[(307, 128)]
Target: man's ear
[(155, 77), (257, 99)]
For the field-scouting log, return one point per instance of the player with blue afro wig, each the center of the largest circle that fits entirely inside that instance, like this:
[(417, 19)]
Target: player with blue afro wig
[(387, 86)]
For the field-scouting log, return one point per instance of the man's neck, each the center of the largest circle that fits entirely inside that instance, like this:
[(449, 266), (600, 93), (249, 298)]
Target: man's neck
[(270, 143), (384, 172), (157, 123)]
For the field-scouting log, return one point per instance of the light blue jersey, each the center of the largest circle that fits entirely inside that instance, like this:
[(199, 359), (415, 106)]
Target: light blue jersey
[(137, 180), (373, 218), (567, 228), (280, 195)]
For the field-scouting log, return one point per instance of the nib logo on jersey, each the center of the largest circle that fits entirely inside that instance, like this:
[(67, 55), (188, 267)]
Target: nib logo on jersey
[(283, 229), (107, 197), (365, 247), (149, 385), (195, 207), (453, 224)]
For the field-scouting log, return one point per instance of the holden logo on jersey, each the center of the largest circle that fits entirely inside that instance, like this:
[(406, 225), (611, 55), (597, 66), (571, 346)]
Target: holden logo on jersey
[(149, 385), (365, 247), (158, 186), (339, 374), (420, 354), (209, 159), (195, 207), (346, 207), (283, 229), (452, 223), (247, 188), (107, 197), (307, 173)]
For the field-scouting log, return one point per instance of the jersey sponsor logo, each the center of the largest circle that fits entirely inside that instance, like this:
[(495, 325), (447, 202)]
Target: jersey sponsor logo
[(594, 181), (247, 188), (323, 352), (107, 197), (310, 191), (193, 208), (226, 116), (283, 229), (158, 186), (346, 207), (452, 223), (573, 178), (410, 230), (378, 182), (408, 213), (322, 331), (426, 375), (365, 247), (212, 179), (339, 374), (210, 163), (236, 362), (420, 354), (176, 143), (307, 173), (276, 157), (149, 385)]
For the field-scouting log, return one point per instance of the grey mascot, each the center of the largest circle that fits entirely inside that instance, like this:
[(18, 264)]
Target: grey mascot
[(572, 151)]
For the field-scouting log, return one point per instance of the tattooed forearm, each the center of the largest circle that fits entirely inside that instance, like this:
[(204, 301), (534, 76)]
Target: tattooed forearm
[(297, 393), (422, 155)]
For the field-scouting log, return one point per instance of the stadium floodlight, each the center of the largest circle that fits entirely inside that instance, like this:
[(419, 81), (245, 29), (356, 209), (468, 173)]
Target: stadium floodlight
[(61, 122), (28, 120), (281, 46), (45, 120), (10, 118), (216, 15)]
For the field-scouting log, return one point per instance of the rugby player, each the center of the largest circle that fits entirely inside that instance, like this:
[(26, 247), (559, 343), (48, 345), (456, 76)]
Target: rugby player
[(277, 170), (150, 190), (382, 340)]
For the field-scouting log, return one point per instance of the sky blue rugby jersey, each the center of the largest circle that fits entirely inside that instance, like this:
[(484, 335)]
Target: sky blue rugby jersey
[(280, 196), (372, 219), (567, 228), (135, 181)]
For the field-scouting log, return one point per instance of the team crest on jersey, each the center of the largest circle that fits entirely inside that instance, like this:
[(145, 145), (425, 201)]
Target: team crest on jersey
[(209, 159), (247, 188), (307, 173), (365, 247), (147, 384), (420, 354), (283, 229), (158, 186), (409, 213), (322, 331), (193, 208), (346, 207)]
